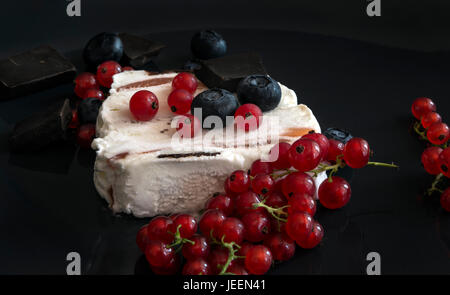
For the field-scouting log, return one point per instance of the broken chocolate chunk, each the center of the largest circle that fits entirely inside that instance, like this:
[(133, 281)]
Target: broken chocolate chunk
[(42, 129), (34, 70), (139, 51), (226, 72)]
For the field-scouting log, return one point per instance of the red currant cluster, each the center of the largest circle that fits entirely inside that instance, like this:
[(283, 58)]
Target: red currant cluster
[(261, 216), (88, 85), (436, 157)]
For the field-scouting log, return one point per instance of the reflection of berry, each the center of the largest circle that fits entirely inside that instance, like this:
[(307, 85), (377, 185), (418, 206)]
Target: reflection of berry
[(445, 200)]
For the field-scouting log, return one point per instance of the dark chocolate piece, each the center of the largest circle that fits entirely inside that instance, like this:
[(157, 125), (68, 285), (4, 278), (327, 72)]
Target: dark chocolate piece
[(139, 51), (226, 72), (42, 129), (34, 70)]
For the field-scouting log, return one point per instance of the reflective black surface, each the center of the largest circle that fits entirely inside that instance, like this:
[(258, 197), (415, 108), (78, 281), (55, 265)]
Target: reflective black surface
[(50, 206)]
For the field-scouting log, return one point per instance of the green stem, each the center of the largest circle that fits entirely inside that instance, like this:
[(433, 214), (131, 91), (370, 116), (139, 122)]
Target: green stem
[(178, 240), (275, 212), (231, 255), (433, 187), (420, 133), (382, 164)]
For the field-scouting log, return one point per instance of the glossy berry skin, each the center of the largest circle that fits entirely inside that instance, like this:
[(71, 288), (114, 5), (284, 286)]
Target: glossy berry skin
[(260, 167), (260, 90), (185, 81), (85, 135), (445, 199), (169, 269), (262, 184), (276, 199), (277, 226), (298, 182), (196, 266), (335, 194), (142, 238), (102, 47), (429, 119), (438, 133), (299, 225), (221, 202), (305, 155), (188, 126), (94, 92), (88, 110), (321, 140), (422, 106), (188, 225), (279, 155), (244, 202), (200, 248), (159, 229), (430, 160), (239, 181), (237, 269), (300, 202), (232, 230), (248, 117), (313, 238), (144, 105), (335, 149), (158, 254), (180, 101), (281, 246), (83, 82), (257, 226), (444, 162), (106, 71), (245, 246), (258, 260), (208, 44), (210, 221), (217, 259), (356, 152)]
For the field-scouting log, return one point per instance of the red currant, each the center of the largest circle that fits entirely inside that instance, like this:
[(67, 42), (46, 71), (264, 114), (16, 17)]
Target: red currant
[(83, 82), (445, 199), (239, 181), (180, 101), (430, 118), (279, 155), (334, 194), (142, 238), (260, 167), (169, 269), (277, 225), (276, 199), (336, 148), (438, 133), (262, 184), (144, 105), (321, 140), (75, 122), (248, 117), (210, 222), (281, 246), (444, 162), (305, 155), (258, 260), (200, 248), (298, 182), (244, 202), (196, 266), (422, 106), (158, 254), (106, 71), (188, 126), (313, 238), (159, 227), (95, 93), (232, 230), (430, 160), (85, 135), (188, 225), (257, 226), (217, 259), (186, 81), (245, 246), (237, 269), (299, 225), (221, 202), (301, 202), (356, 152)]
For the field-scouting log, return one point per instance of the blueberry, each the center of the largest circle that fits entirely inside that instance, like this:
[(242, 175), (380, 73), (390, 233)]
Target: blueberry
[(261, 90), (103, 47), (215, 102), (338, 134), (191, 66), (208, 44), (88, 110)]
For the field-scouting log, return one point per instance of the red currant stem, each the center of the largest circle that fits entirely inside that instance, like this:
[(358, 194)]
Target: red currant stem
[(382, 164), (275, 212), (420, 133), (178, 240), (433, 187), (279, 175), (231, 254)]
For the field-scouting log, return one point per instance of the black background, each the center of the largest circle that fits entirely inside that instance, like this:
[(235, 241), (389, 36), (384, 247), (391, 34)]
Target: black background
[(49, 204)]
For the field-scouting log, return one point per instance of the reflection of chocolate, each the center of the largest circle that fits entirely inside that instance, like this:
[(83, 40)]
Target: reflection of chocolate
[(199, 154)]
